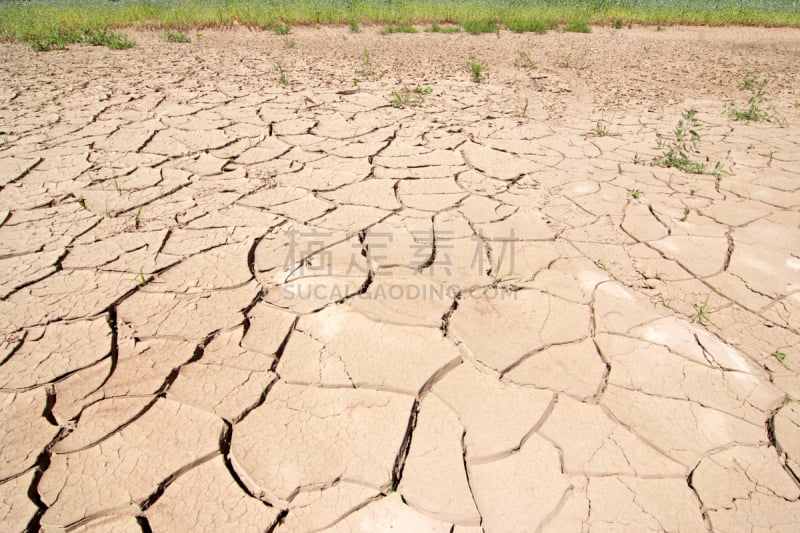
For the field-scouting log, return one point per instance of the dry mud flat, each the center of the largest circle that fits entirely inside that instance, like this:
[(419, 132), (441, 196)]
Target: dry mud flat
[(230, 304)]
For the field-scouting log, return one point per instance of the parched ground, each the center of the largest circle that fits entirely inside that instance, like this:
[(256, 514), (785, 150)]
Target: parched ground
[(232, 304)]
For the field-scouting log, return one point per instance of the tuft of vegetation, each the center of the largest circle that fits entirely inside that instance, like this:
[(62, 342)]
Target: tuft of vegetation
[(447, 28), (409, 97), (523, 60), (175, 37), (578, 26), (753, 112), (677, 152), (405, 27), (284, 77), (353, 25), (524, 25), (618, 24), (58, 40), (476, 69), (600, 129), (476, 27), (281, 29), (290, 43), (367, 69)]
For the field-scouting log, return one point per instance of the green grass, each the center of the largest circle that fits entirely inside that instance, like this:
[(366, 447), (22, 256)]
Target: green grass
[(59, 39), (476, 27), (446, 28), (175, 37), (476, 70), (578, 26), (523, 25), (405, 27), (30, 21)]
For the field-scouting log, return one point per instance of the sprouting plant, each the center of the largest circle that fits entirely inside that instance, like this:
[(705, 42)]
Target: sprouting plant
[(353, 25), (497, 277), (637, 160), (476, 69), (636, 194), (602, 264), (175, 37), (600, 129), (367, 69), (677, 152), (686, 210), (618, 24), (524, 60), (107, 213), (769, 158), (753, 111), (664, 302), (136, 217), (702, 313), (290, 43), (658, 275), (283, 74), (140, 278), (81, 202), (781, 357)]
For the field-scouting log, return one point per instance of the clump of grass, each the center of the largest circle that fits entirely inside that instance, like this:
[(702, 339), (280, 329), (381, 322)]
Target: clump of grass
[(175, 37), (282, 29), (476, 27), (524, 60), (636, 194), (409, 97), (290, 43), (578, 26), (476, 69), (531, 25), (405, 27), (753, 111), (284, 77), (677, 152), (600, 129), (367, 69), (58, 40), (447, 28), (353, 25), (618, 24)]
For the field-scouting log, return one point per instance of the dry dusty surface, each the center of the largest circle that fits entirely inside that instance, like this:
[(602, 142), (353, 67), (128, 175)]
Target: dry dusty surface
[(231, 304)]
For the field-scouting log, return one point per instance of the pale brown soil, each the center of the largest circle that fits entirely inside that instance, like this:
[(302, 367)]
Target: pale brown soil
[(198, 329)]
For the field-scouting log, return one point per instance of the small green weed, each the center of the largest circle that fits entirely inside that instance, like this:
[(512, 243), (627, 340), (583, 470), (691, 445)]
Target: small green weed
[(753, 111), (447, 28), (290, 43), (477, 70), (602, 264), (367, 69), (136, 218), (405, 27), (140, 278), (781, 357), (636, 194), (658, 276), (578, 26), (81, 202), (600, 129), (618, 24), (409, 97), (523, 60), (677, 152), (702, 313), (353, 25), (283, 74), (476, 27), (175, 37)]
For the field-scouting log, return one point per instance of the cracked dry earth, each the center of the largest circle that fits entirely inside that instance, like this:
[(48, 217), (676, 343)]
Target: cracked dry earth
[(229, 304)]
